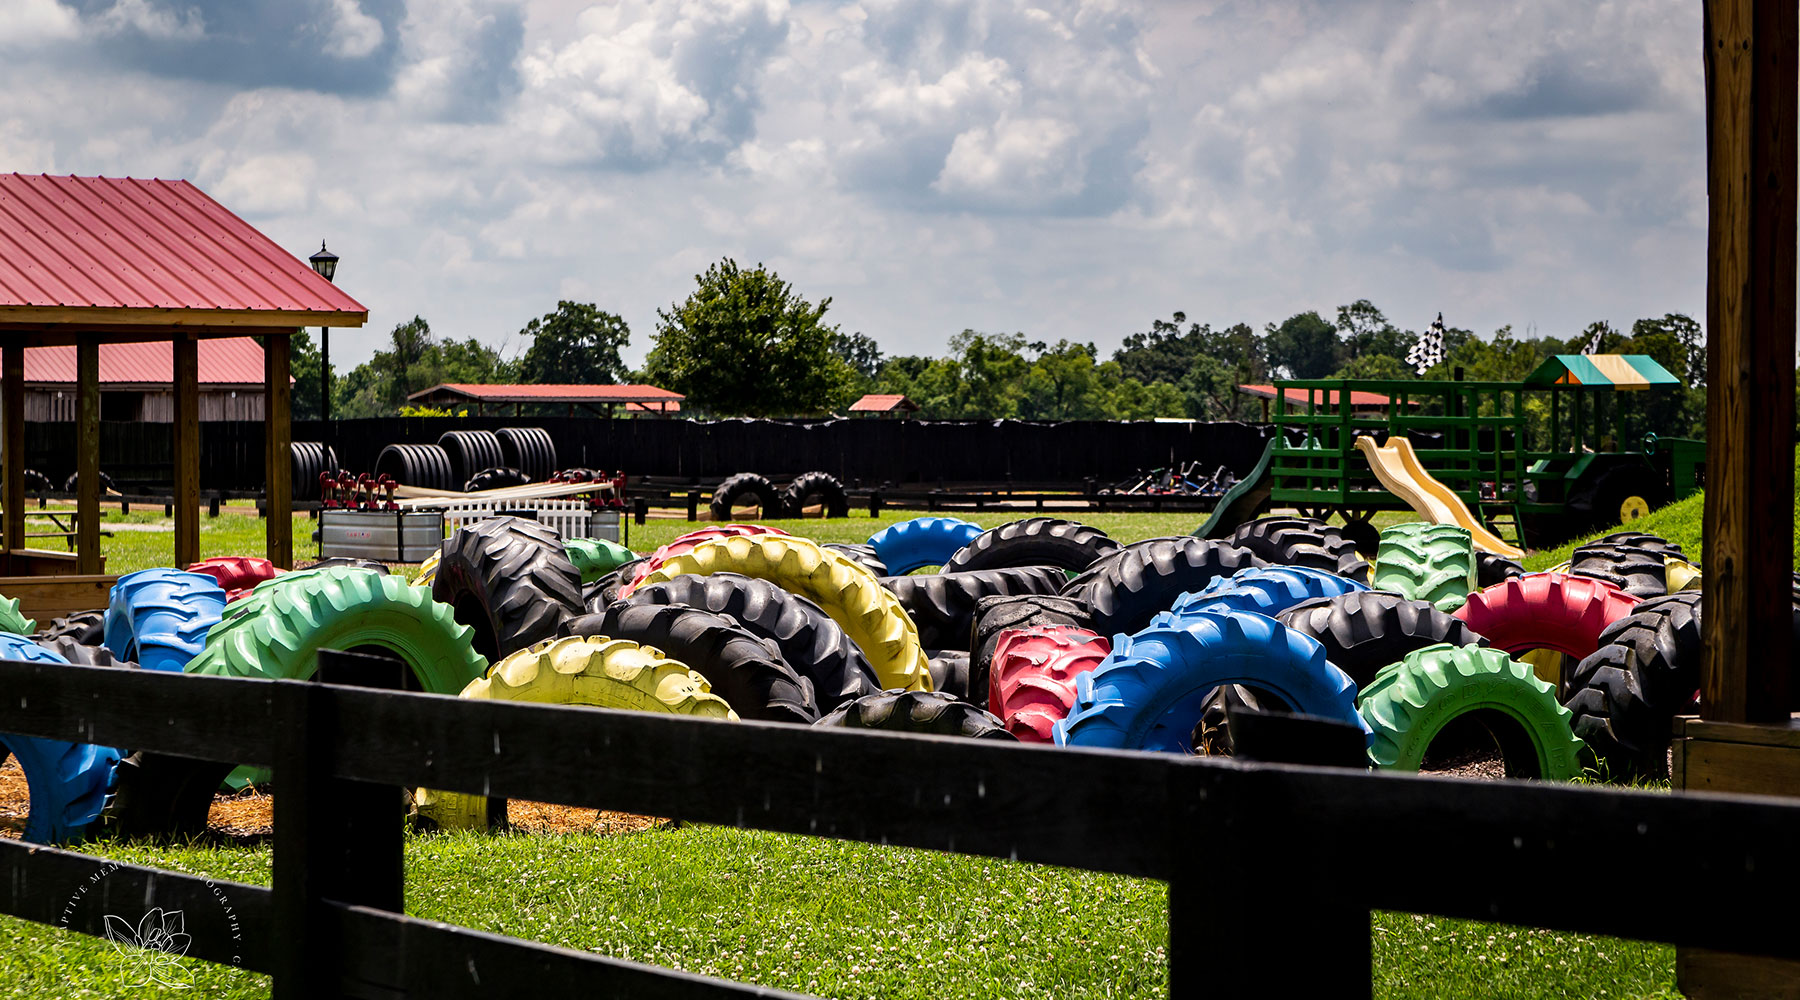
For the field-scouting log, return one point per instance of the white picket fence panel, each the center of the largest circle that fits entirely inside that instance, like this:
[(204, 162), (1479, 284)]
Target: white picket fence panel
[(571, 518)]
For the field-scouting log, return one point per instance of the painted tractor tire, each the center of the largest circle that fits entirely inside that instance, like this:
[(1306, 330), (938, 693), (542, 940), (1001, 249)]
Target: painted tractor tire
[(1680, 574), (863, 554), (811, 488), (1491, 569), (1303, 541), (921, 542), (68, 782), (1546, 611), (1081, 581), (1034, 541), (600, 595), (1411, 702), (1265, 590), (686, 543), (1427, 562), (237, 572), (736, 490), (159, 617), (593, 557), (510, 580), (358, 563), (1365, 631), (348, 609), (742, 668), (935, 713), (1641, 572), (1034, 675), (949, 671), (1626, 694), (85, 627), (867, 612), (12, 620), (1148, 693), (808, 639), (1146, 582), (942, 605), (994, 616), (575, 670)]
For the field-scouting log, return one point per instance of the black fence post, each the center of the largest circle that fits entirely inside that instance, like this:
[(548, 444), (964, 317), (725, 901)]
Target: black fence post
[(693, 504), (342, 841), (640, 509), (875, 503)]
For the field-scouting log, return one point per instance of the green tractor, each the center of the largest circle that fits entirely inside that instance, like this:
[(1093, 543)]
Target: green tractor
[(1542, 460)]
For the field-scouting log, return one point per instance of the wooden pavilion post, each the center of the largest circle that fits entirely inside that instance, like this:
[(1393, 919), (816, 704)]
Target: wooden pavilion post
[(1750, 84), (187, 449), (278, 489), (12, 400), (87, 453)]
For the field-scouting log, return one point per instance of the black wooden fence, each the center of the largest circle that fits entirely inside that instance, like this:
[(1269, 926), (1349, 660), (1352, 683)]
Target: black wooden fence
[(1273, 870), (867, 451)]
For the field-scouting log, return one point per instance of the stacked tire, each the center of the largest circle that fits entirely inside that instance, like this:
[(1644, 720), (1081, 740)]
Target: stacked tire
[(528, 449), (471, 452), (311, 459), (423, 465)]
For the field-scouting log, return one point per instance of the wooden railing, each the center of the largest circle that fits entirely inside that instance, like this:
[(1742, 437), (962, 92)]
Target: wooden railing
[(1272, 870)]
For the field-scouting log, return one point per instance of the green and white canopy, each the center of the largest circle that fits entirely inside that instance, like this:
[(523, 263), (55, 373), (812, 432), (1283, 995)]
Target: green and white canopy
[(1602, 371)]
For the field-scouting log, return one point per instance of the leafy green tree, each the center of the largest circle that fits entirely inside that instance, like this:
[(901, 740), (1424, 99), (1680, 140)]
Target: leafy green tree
[(1375, 366), (745, 343), (1304, 346), (859, 351), (1201, 365), (303, 364), (1365, 331), (414, 360), (578, 344)]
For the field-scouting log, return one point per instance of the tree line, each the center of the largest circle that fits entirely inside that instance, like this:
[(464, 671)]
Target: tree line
[(745, 343)]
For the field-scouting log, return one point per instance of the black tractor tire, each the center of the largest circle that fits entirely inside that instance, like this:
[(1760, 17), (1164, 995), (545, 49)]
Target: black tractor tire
[(736, 490), (1366, 630), (356, 562), (1626, 694), (994, 615), (942, 605), (528, 449), (85, 627), (495, 478), (596, 597), (470, 452), (163, 796), (1146, 581), (862, 554), (84, 654), (1303, 541), (510, 580), (821, 488), (742, 668), (931, 712), (1365, 536), (1034, 541), (1645, 540), (73, 483), (808, 639), (949, 671), (1640, 572), (1080, 581), (1491, 569), (36, 483), (311, 459), (426, 466)]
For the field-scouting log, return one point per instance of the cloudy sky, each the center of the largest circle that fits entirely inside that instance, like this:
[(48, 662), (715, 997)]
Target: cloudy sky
[(1064, 169)]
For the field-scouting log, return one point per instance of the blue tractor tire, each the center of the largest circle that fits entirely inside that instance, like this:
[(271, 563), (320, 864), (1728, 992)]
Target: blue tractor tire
[(922, 541), (1265, 590), (68, 782)]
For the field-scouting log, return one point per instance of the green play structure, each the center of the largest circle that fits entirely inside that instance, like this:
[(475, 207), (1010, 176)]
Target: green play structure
[(1536, 461)]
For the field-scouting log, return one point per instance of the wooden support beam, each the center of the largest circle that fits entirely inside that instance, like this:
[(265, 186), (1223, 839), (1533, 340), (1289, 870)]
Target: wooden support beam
[(278, 488), (87, 455), (1750, 118), (12, 425), (187, 450)]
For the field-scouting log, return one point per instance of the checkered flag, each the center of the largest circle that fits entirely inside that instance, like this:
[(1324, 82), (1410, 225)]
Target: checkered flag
[(1593, 344), (1429, 350)]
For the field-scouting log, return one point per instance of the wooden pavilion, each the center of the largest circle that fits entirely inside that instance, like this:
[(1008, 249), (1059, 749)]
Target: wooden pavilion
[(92, 260)]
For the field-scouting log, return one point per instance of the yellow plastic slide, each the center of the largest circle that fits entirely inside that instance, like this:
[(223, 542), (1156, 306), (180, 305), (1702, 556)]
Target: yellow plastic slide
[(1398, 468)]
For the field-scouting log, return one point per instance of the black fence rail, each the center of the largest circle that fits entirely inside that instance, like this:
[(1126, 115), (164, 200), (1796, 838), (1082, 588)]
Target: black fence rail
[(1272, 870), (866, 452)]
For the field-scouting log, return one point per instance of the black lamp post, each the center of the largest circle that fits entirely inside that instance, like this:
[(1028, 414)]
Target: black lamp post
[(325, 263)]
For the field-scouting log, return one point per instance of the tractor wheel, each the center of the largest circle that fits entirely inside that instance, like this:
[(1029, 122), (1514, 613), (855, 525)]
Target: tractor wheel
[(932, 712), (942, 605), (820, 488), (67, 782), (1641, 572), (921, 542), (1365, 631), (1427, 562), (12, 620), (1144, 582), (1034, 677), (510, 580), (862, 553), (596, 557), (1265, 590), (1034, 541), (747, 489), (1625, 694), (686, 543), (1303, 541), (995, 616)]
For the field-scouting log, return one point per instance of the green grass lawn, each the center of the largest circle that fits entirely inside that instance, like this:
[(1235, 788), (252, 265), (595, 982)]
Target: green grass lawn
[(820, 916)]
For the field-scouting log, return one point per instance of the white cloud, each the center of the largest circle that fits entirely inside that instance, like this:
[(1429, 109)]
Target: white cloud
[(151, 21), (354, 34), (28, 23)]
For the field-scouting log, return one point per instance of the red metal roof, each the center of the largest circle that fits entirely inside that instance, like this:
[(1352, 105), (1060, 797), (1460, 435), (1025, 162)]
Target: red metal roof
[(225, 360), (111, 243), (877, 402), (487, 393), (1326, 397)]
